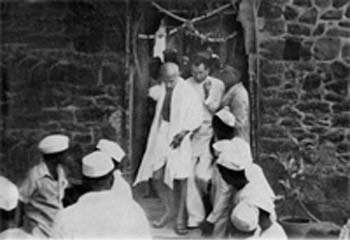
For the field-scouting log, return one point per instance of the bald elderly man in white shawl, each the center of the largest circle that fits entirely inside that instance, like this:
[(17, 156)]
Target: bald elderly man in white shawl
[(168, 153)]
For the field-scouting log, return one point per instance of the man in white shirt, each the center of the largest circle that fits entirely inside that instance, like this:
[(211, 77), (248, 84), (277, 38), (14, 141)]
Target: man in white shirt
[(43, 190), (8, 205), (100, 213), (121, 186), (210, 90)]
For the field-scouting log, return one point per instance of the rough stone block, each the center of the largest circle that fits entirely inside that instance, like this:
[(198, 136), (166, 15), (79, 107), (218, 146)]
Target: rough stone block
[(309, 119), (339, 3), (268, 92), (310, 16), (319, 130), (268, 119), (111, 73), (341, 120), (274, 27), (53, 41), (60, 116), (269, 10), (290, 122), (289, 95), (272, 49), (336, 32), (345, 52), (343, 148), (319, 30), (106, 101), (298, 29), (74, 127), (270, 67), (340, 70), (344, 24), (273, 103), (269, 81), (333, 97), (302, 3), (314, 107), (332, 15), (314, 95), (73, 74), (311, 82), (334, 136), (322, 3), (338, 87), (272, 131), (82, 138), (326, 48), (305, 51), (290, 13), (290, 112), (90, 92), (347, 12), (93, 114), (292, 49), (274, 145)]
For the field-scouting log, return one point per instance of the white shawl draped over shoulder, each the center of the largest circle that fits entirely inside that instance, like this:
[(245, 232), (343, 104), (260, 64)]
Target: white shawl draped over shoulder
[(185, 114)]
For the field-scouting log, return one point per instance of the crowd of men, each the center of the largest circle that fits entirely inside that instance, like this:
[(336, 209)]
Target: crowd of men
[(198, 156)]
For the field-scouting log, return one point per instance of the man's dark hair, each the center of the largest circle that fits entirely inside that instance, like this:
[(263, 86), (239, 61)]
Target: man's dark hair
[(222, 130), (199, 59), (171, 55)]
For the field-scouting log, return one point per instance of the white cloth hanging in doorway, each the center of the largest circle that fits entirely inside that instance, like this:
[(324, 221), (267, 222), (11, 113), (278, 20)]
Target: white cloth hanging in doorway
[(160, 41)]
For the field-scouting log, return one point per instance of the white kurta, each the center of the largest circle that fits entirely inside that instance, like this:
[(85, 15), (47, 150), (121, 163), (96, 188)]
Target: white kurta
[(121, 186), (185, 114), (259, 193), (202, 167), (102, 215), (14, 233)]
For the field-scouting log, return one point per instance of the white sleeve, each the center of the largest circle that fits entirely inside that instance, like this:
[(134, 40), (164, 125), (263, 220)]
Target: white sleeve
[(222, 203), (59, 228)]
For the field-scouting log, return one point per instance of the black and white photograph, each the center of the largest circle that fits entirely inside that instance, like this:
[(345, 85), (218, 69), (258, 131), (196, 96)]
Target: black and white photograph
[(175, 119)]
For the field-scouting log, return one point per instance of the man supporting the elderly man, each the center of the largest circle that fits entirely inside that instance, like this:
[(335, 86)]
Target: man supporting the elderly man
[(100, 212), (168, 153), (210, 90), (43, 189), (237, 99)]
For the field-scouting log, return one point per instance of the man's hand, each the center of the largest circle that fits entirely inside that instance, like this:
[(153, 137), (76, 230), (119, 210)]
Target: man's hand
[(207, 228), (178, 139), (206, 86)]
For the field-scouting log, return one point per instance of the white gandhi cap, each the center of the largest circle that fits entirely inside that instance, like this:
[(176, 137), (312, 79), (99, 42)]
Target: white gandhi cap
[(8, 194), (111, 148), (233, 154), (245, 217), (54, 144), (226, 116), (97, 164)]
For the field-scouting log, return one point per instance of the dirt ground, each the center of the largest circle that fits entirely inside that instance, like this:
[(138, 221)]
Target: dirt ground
[(154, 210)]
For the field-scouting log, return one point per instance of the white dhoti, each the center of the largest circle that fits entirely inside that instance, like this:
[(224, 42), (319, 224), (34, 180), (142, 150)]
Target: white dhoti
[(162, 146), (202, 170)]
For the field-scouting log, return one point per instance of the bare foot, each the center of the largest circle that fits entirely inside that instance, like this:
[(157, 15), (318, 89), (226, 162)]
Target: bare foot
[(164, 220)]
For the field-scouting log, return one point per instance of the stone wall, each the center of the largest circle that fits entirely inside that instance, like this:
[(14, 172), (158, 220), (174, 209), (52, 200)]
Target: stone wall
[(62, 70), (304, 59)]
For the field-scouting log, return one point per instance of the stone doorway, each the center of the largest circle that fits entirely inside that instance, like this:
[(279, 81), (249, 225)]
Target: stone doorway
[(238, 51)]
